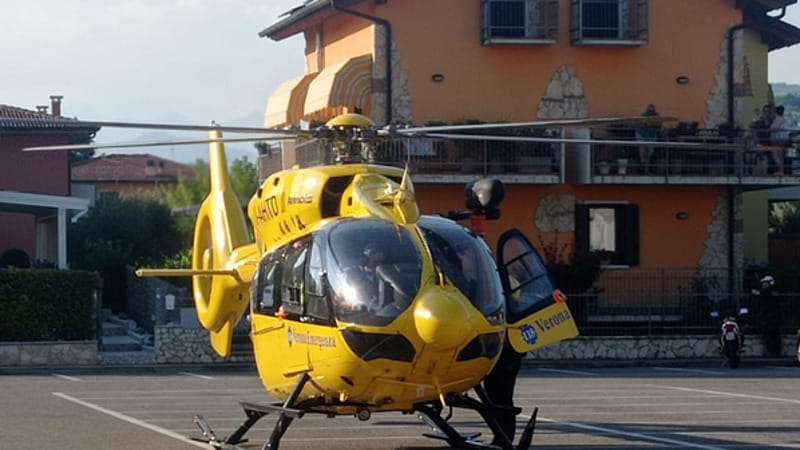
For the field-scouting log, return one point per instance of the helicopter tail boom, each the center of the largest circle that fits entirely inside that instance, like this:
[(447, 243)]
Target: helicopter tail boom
[(223, 259)]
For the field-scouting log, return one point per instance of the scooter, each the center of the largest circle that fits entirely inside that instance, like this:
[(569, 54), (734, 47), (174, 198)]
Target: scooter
[(731, 339)]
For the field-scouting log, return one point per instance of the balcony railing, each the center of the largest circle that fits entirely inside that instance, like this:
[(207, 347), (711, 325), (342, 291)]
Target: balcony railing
[(610, 22), (457, 161), (519, 21), (702, 158)]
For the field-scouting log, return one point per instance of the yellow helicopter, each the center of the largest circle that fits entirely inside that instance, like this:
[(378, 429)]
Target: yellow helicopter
[(359, 304)]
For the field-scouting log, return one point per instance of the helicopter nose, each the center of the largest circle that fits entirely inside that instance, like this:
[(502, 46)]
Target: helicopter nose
[(441, 318)]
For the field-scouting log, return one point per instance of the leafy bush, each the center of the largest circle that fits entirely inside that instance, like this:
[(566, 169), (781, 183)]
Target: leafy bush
[(121, 232), (47, 305)]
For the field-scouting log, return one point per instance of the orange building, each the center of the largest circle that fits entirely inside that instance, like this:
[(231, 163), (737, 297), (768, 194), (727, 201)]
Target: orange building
[(457, 61)]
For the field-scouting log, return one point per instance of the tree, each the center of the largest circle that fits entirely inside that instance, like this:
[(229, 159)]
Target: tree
[(191, 192), (121, 232)]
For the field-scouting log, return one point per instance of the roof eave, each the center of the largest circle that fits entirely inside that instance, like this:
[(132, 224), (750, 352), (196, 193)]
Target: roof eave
[(289, 25)]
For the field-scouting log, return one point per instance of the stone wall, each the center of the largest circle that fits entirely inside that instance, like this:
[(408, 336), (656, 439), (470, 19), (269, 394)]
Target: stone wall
[(77, 353), (649, 348), (564, 97), (401, 98), (179, 345), (146, 301)]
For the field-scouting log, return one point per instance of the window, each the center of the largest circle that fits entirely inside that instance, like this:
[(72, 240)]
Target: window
[(466, 262), (292, 274), (265, 296), (374, 270), (609, 22), (519, 21), (316, 299), (611, 231)]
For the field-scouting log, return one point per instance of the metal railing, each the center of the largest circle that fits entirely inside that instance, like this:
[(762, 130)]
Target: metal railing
[(519, 21), (714, 156), (674, 302), (442, 157)]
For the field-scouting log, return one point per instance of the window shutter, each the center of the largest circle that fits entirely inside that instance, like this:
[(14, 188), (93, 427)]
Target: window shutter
[(552, 15), (486, 21), (576, 29), (643, 19), (581, 230), (629, 234)]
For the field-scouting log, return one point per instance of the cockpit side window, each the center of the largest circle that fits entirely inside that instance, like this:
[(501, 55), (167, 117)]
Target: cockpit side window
[(293, 272), (317, 306), (266, 295)]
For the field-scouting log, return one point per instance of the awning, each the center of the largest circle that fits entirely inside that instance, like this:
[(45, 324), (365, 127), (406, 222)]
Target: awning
[(344, 87), (285, 106)]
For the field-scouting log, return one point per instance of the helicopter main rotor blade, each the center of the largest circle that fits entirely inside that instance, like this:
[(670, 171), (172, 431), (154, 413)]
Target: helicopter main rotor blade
[(148, 144), (175, 127), (536, 124), (468, 137)]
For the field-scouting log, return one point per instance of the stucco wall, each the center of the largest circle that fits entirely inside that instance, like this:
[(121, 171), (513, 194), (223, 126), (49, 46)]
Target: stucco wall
[(660, 232), (508, 82)]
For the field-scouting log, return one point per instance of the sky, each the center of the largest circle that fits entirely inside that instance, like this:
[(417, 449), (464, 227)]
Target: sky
[(185, 61)]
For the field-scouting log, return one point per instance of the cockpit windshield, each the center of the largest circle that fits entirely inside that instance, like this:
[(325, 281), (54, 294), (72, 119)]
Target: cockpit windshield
[(466, 261), (375, 272)]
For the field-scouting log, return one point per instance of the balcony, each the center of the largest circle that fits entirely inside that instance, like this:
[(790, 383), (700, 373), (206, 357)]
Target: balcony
[(622, 23), (701, 158), (515, 22), (443, 161)]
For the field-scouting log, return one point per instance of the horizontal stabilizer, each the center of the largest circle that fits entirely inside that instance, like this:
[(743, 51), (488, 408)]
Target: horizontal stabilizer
[(178, 273)]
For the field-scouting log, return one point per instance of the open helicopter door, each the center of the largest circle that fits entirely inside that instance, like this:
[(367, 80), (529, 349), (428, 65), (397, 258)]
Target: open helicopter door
[(536, 310)]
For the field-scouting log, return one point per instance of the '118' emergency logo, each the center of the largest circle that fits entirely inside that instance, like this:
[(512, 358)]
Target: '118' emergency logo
[(529, 334)]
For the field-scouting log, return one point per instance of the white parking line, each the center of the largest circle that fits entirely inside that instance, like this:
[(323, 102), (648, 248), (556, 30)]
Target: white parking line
[(568, 372), (65, 377), (700, 371), (131, 420), (729, 394), (197, 375), (641, 436)]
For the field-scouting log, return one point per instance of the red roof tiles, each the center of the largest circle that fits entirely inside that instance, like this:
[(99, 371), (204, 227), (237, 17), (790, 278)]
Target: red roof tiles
[(142, 168)]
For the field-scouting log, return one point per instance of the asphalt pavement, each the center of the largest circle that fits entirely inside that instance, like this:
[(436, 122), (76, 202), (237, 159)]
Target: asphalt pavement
[(580, 408)]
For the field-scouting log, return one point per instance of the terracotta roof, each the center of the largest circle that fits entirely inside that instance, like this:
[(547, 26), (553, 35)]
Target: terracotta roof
[(13, 118), (137, 168)]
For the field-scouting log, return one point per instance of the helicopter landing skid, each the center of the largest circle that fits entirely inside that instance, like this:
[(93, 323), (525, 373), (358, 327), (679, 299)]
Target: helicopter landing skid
[(442, 430), (255, 412)]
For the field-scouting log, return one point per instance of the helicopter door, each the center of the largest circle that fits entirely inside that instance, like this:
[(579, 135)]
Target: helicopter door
[(536, 311), (278, 309)]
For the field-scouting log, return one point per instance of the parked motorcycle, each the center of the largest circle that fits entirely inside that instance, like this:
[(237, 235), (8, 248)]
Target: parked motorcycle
[(731, 339)]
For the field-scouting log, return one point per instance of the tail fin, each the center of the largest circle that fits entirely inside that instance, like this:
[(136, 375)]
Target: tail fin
[(221, 242)]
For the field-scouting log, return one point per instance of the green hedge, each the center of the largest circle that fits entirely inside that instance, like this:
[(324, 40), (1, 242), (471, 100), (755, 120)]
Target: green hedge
[(47, 305)]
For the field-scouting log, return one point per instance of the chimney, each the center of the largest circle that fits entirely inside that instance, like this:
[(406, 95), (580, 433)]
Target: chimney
[(55, 104), (42, 109)]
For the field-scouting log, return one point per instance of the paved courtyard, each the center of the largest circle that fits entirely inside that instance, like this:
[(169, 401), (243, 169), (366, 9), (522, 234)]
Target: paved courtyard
[(667, 407)]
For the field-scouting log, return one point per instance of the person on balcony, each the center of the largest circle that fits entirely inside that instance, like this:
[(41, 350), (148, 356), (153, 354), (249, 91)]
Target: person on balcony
[(778, 137), (761, 124), (648, 132)]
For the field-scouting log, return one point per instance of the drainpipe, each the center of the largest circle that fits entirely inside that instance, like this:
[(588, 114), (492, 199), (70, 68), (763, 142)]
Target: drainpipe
[(731, 246), (387, 26)]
